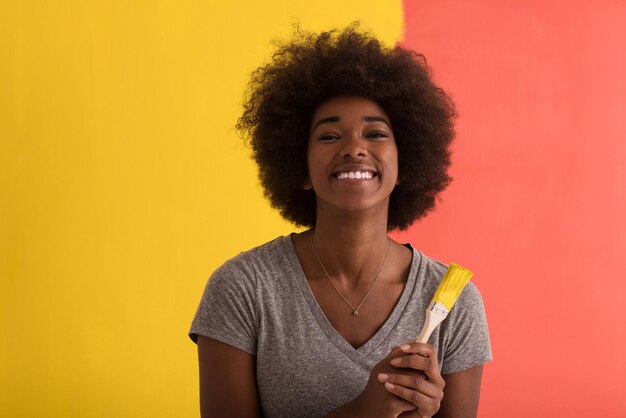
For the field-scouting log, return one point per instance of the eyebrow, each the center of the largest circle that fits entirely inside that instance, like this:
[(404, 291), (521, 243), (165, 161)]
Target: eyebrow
[(336, 119), (326, 120), (376, 119)]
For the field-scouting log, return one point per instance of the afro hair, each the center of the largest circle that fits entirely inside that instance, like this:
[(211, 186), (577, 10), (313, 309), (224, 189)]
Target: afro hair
[(309, 69)]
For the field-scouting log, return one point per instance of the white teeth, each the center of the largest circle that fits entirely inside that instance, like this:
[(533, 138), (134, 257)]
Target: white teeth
[(355, 175)]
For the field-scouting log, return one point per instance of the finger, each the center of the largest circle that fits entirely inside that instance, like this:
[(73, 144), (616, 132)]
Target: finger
[(410, 347), (412, 361), (415, 381), (396, 351), (434, 372), (413, 347), (424, 403), (431, 368)]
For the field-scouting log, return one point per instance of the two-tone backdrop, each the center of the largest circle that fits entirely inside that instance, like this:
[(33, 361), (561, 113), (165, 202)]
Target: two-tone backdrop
[(124, 185)]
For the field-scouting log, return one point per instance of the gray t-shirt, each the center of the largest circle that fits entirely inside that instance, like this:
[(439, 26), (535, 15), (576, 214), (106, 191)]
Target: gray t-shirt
[(260, 302)]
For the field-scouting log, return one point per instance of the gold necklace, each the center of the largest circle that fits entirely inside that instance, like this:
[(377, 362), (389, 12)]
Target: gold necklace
[(355, 311)]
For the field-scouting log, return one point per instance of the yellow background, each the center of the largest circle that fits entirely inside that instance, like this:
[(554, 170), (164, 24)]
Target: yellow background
[(124, 185)]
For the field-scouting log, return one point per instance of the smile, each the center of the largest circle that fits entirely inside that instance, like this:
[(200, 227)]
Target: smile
[(359, 175)]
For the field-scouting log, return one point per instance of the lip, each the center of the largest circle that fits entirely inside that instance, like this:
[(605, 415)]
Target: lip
[(353, 167), (344, 168)]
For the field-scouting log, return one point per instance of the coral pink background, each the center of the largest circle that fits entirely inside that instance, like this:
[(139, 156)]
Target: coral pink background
[(538, 203)]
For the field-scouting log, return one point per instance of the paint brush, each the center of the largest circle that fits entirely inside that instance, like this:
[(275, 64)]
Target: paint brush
[(446, 295)]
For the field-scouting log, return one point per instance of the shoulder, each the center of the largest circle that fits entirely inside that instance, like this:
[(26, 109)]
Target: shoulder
[(247, 265), (468, 311), (463, 337), (434, 270), (229, 308)]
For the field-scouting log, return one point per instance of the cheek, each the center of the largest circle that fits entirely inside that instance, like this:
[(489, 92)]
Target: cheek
[(310, 164), (318, 160), (394, 167), (392, 158), (310, 160)]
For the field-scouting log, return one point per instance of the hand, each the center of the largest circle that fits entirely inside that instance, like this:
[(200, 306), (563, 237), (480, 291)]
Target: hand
[(423, 390), (375, 400)]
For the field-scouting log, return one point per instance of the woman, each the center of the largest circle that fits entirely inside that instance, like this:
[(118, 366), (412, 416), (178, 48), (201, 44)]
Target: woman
[(352, 141)]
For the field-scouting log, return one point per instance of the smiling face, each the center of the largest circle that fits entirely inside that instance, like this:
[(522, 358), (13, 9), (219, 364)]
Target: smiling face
[(352, 155)]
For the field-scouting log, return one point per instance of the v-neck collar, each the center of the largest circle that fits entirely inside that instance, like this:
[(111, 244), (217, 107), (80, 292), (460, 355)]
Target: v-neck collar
[(331, 333)]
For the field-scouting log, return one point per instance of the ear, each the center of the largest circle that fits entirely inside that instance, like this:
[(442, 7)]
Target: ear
[(307, 184)]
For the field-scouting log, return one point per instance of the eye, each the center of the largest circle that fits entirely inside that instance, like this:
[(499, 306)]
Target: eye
[(328, 137), (377, 135)]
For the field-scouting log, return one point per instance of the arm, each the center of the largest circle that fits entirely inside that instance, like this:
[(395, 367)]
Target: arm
[(227, 381), (461, 394)]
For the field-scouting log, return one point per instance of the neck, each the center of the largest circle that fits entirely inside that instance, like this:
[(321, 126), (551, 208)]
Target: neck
[(353, 249)]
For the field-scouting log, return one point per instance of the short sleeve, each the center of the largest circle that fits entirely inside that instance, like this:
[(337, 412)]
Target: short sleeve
[(465, 335), (227, 311)]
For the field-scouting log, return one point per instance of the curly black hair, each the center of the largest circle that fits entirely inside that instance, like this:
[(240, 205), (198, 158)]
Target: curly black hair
[(312, 68)]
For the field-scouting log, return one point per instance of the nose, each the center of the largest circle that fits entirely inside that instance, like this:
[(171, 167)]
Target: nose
[(353, 147)]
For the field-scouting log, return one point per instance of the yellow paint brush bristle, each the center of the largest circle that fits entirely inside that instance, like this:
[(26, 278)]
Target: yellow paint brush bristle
[(447, 293), (452, 285)]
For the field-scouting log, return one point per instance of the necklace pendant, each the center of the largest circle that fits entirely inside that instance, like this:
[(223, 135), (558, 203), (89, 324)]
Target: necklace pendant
[(355, 312)]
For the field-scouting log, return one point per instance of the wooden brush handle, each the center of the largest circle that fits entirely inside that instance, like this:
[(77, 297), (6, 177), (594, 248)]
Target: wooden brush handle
[(434, 316)]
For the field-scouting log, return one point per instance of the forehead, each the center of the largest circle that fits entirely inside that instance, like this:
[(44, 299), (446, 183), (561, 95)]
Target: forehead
[(348, 106)]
